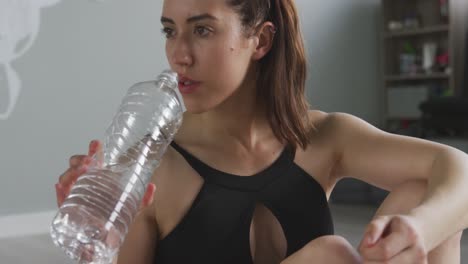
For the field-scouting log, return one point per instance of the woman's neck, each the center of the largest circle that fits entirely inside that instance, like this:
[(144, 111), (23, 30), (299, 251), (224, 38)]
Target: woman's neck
[(239, 122)]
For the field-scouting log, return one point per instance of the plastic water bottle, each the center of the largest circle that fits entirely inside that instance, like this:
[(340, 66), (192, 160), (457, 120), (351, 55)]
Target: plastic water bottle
[(93, 221)]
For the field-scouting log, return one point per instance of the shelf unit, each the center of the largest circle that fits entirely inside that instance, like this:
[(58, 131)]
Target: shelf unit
[(416, 77), (419, 31), (403, 89)]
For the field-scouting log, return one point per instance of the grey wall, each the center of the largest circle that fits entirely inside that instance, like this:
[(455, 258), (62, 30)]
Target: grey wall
[(88, 54), (342, 41)]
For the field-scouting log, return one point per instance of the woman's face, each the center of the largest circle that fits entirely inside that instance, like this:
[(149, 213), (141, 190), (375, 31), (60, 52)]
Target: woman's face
[(206, 46)]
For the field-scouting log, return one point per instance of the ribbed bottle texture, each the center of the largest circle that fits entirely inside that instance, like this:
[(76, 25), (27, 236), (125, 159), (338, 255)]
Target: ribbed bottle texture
[(93, 221)]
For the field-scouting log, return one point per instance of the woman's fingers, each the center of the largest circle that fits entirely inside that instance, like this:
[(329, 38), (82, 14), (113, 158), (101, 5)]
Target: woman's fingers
[(78, 164), (388, 247), (66, 181), (95, 150), (399, 242), (93, 145), (76, 160), (71, 175), (375, 230), (149, 195), (59, 194)]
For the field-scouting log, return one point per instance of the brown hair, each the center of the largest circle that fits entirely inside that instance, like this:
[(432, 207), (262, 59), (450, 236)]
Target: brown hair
[(282, 72)]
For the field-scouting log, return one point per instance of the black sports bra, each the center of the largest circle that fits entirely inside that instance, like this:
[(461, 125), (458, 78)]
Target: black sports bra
[(216, 228)]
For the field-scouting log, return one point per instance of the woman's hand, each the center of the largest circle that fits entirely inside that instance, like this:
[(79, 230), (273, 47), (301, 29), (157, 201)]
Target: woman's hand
[(78, 166), (394, 239)]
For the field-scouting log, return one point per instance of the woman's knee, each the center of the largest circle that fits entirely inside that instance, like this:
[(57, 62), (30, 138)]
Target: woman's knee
[(332, 249)]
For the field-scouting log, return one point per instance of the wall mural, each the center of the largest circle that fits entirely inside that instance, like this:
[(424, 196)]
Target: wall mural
[(19, 26)]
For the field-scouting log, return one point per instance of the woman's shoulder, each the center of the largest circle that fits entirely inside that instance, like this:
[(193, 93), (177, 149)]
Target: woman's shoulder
[(322, 124), (336, 121), (335, 129), (318, 117)]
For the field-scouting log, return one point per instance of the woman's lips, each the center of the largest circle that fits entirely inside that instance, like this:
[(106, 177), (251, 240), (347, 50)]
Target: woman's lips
[(188, 86)]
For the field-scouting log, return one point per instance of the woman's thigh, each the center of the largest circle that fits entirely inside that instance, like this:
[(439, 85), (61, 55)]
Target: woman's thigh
[(325, 249)]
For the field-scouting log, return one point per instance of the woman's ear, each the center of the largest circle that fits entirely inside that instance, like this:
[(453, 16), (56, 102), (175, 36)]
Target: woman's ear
[(264, 40)]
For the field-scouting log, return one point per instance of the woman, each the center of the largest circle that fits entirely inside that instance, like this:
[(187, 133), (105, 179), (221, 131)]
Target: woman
[(251, 169)]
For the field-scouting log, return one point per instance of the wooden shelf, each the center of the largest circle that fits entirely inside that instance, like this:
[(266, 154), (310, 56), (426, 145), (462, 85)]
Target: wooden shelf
[(401, 118), (417, 77), (419, 31)]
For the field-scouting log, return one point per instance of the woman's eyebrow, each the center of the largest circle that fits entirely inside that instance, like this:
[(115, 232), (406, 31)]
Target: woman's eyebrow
[(190, 19)]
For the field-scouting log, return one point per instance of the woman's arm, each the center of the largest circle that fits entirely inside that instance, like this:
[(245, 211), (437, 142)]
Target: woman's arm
[(140, 243), (386, 160)]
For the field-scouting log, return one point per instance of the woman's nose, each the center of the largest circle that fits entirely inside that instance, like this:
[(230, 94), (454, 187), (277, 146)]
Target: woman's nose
[(181, 54)]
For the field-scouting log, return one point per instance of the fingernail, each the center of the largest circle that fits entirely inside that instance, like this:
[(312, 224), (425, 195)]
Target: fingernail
[(58, 186), (93, 145)]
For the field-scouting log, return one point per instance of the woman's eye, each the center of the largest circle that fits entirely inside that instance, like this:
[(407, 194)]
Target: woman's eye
[(168, 32), (202, 31)]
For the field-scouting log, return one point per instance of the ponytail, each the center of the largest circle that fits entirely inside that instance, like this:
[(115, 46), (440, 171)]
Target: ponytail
[(282, 72)]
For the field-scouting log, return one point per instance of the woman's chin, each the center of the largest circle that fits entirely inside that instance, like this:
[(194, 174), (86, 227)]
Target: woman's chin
[(194, 110), (200, 106)]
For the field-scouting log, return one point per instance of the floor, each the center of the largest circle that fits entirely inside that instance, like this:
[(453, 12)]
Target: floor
[(350, 222)]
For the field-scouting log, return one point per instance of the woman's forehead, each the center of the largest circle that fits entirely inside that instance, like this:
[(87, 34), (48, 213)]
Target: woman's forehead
[(190, 8)]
